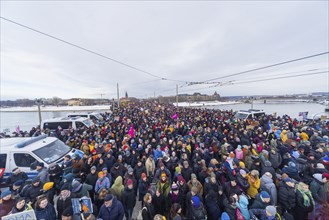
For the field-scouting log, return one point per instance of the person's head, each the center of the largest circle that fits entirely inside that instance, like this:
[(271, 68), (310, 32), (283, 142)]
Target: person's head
[(100, 174), (130, 184), (213, 178), (265, 196), (104, 170), (193, 178), (289, 182), (270, 211), (40, 165), (158, 192), (163, 177), (233, 182), (148, 198), (36, 181), (143, 176), (20, 203), (303, 186), (108, 200), (93, 169), (67, 213), (176, 208), (6, 195), (194, 190), (42, 202)]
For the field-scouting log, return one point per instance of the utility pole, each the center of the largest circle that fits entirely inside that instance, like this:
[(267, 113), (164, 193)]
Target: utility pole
[(39, 102), (176, 95), (252, 102), (118, 95)]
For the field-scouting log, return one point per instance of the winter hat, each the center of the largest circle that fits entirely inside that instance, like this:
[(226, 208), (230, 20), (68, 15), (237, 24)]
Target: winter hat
[(5, 193), (178, 169), (129, 182), (76, 185), (242, 172), (270, 210), (174, 187), (47, 186), (100, 174), (180, 178), (108, 197), (19, 183), (326, 160), (105, 168), (241, 164), (16, 170), (318, 176), (143, 175), (213, 175), (36, 179), (130, 170), (268, 174), (66, 186), (93, 168), (40, 164), (268, 163), (232, 155), (196, 201), (239, 147), (264, 195), (320, 166), (193, 176), (163, 174), (325, 175)]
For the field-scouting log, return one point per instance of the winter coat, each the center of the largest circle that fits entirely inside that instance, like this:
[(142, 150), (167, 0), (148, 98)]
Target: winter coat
[(91, 179), (259, 203), (275, 160), (148, 212), (210, 186), (230, 210), (301, 211), (186, 173), (34, 192), (115, 212), (242, 204), (117, 188), (150, 167), (291, 171), (254, 186), (13, 178), (62, 205), (84, 191), (266, 184), (198, 185), (213, 211), (242, 182), (163, 187), (159, 204), (287, 196), (142, 189), (43, 175), (138, 170), (6, 206), (229, 189), (317, 189), (47, 213), (102, 183), (199, 213), (128, 198)]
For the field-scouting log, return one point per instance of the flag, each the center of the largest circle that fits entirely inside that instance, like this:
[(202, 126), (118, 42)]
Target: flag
[(175, 116), (18, 130), (131, 132)]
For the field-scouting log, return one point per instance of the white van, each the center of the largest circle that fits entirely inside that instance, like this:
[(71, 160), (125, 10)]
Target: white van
[(22, 152), (66, 123), (249, 114), (90, 115)]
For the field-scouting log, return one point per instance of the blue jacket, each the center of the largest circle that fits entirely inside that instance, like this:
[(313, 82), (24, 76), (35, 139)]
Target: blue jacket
[(104, 183), (243, 206), (47, 213), (115, 212)]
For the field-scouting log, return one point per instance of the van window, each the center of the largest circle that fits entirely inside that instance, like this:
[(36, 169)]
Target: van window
[(250, 116), (52, 152), (54, 125), (79, 124), (92, 117), (23, 160), (257, 115), (3, 159)]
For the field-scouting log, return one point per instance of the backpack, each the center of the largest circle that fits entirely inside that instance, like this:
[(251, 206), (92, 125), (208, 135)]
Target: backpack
[(140, 213), (238, 214)]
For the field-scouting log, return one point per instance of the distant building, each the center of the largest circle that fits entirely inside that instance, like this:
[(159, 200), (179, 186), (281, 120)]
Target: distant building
[(74, 102)]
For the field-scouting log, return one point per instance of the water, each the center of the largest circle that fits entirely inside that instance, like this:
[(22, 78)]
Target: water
[(27, 120)]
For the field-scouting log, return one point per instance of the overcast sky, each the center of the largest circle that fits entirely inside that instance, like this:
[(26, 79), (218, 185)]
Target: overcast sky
[(187, 41)]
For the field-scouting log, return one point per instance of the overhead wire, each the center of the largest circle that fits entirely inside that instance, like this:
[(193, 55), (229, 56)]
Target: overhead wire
[(90, 51)]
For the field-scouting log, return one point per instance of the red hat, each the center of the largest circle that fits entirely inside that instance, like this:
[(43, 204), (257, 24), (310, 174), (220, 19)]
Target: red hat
[(325, 175), (129, 182), (143, 175)]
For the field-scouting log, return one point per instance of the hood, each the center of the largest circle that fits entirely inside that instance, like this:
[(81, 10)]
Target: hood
[(243, 201), (118, 181), (318, 177), (265, 180)]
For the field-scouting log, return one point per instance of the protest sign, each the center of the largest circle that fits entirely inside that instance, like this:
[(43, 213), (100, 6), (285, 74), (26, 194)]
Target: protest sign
[(26, 215)]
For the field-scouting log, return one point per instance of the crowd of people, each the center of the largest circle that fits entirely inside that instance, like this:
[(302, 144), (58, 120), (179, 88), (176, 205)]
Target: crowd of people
[(181, 163)]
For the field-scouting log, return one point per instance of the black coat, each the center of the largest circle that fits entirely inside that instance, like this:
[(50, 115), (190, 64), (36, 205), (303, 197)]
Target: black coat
[(159, 204), (286, 196), (128, 198), (62, 205), (213, 211), (34, 192), (301, 211), (242, 182)]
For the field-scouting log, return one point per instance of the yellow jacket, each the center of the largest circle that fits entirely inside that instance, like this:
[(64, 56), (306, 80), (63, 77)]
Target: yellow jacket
[(252, 191)]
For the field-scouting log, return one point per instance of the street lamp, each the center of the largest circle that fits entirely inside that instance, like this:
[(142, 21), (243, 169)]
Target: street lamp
[(39, 102)]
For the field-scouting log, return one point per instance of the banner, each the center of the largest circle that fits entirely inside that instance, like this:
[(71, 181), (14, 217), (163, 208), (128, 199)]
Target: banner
[(82, 205), (303, 115), (26, 215)]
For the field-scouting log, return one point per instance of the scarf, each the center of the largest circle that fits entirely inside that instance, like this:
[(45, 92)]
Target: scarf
[(64, 196), (307, 196)]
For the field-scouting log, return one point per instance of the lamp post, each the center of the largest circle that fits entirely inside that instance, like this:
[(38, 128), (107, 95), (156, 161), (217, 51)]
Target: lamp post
[(39, 102)]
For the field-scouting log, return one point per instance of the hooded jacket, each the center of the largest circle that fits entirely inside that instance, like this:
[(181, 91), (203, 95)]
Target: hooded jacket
[(242, 204), (317, 189), (117, 188), (287, 196), (266, 184), (115, 212)]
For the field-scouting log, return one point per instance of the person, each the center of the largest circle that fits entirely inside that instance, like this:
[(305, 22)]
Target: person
[(42, 172), (143, 187), (35, 190), (148, 210), (198, 211), (212, 207), (269, 212), (242, 205), (20, 206), (64, 200), (6, 203), (112, 209), (163, 185), (117, 188), (262, 200), (80, 190), (129, 199), (195, 183), (287, 195), (102, 182), (16, 175), (304, 201), (267, 184), (159, 202), (176, 212), (254, 182), (44, 209), (91, 179)]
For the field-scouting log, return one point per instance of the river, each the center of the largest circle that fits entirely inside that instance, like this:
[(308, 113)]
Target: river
[(27, 120)]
